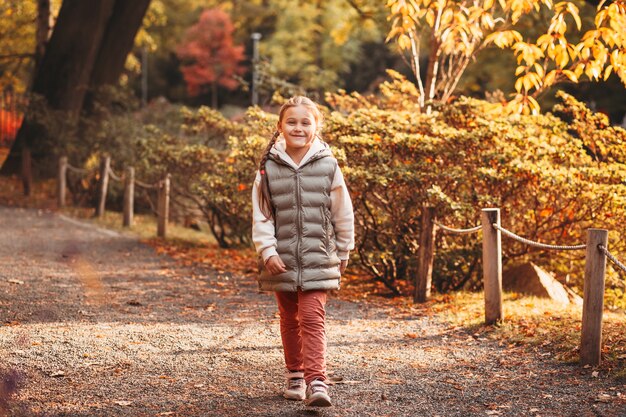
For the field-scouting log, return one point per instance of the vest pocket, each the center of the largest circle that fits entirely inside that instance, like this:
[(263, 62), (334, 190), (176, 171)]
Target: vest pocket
[(326, 228)]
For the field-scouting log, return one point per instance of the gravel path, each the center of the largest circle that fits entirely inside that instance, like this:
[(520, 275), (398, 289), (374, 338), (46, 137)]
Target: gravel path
[(95, 323)]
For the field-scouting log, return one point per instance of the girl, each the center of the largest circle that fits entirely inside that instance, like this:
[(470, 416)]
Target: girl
[(303, 229)]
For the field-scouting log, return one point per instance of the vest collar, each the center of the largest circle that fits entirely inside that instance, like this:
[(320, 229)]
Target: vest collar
[(318, 149)]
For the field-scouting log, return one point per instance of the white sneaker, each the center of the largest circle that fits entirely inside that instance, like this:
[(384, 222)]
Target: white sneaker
[(295, 388), (317, 394)]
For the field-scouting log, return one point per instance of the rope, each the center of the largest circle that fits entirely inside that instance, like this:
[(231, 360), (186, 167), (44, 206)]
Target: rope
[(114, 176), (612, 258), (459, 231), (537, 244), (148, 186), (78, 170)]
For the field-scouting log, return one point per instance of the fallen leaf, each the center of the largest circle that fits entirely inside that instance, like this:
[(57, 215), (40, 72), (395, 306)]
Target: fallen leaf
[(57, 374), (15, 281), (124, 403), (595, 374), (348, 382), (603, 398)]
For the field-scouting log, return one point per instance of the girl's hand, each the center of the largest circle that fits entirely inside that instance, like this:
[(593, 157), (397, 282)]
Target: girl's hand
[(275, 265), (342, 266)]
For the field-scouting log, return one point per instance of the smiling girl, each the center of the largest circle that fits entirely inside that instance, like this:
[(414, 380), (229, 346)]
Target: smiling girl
[(303, 229)]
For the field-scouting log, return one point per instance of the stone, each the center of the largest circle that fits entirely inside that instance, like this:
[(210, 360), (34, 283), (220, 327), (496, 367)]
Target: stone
[(530, 279)]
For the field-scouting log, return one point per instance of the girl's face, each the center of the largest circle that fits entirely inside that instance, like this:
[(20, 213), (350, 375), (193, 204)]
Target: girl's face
[(298, 126)]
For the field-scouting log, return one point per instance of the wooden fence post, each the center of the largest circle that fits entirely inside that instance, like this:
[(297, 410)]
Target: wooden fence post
[(426, 255), (492, 265), (163, 206), (129, 196), (593, 298), (62, 181), (105, 163), (27, 171)]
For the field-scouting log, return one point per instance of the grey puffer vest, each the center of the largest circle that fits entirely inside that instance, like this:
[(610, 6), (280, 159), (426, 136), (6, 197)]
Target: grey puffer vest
[(304, 232)]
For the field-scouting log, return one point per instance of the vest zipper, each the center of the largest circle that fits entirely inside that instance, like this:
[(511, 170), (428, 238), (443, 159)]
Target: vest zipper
[(298, 231)]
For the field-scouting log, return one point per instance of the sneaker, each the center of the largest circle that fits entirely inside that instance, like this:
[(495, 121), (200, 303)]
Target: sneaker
[(317, 394), (296, 387)]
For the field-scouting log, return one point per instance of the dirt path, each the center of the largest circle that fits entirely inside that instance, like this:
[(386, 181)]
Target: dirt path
[(97, 324)]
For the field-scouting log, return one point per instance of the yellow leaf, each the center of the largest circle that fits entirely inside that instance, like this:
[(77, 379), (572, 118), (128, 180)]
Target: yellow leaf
[(576, 18), (534, 106), (607, 72), (550, 78), (571, 75), (404, 42), (600, 16), (544, 41), (579, 70), (430, 18), (487, 21)]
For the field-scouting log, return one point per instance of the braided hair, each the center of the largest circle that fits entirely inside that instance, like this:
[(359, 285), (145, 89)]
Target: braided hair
[(264, 188)]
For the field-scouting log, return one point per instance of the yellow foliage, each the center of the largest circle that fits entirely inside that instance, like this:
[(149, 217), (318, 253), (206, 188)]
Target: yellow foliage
[(459, 32)]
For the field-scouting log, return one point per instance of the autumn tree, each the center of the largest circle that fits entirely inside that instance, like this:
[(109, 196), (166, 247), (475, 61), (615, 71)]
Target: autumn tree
[(210, 59), (457, 31)]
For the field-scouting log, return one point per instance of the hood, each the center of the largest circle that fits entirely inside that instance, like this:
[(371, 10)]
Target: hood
[(318, 149)]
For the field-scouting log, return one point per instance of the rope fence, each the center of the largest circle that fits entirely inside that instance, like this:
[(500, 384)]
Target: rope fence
[(612, 258), (458, 231), (148, 186), (114, 176), (537, 244), (76, 170), (492, 230), (128, 179)]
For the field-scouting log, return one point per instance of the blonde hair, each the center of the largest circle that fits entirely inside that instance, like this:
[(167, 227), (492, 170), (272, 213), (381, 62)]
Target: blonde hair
[(264, 188)]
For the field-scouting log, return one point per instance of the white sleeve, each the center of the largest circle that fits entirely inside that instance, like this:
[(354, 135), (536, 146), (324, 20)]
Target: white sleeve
[(342, 215), (263, 231)]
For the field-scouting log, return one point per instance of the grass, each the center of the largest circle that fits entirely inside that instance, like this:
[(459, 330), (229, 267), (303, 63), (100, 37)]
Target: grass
[(145, 225), (540, 324)]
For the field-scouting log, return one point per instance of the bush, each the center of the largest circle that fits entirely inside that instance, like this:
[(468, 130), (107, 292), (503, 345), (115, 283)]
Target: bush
[(469, 155)]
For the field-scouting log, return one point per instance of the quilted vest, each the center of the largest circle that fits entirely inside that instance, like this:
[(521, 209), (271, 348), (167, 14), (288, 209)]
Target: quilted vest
[(304, 232)]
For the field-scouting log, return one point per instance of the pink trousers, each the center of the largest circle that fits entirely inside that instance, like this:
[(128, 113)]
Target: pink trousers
[(302, 318)]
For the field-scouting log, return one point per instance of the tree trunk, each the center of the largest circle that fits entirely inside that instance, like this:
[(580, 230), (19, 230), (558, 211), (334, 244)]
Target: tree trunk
[(117, 42), (65, 70), (69, 59), (43, 30), (214, 102)]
